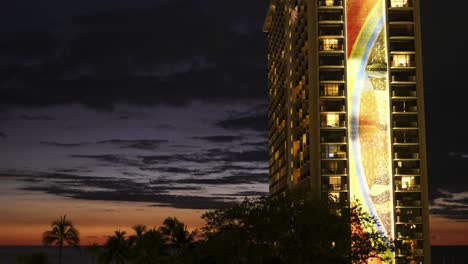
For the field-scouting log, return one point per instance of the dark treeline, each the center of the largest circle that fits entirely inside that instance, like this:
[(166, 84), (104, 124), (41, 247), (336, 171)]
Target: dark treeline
[(290, 228)]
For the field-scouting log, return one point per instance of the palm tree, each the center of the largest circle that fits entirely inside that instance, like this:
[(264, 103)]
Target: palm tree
[(135, 239), (177, 233), (62, 232), (116, 249), (148, 246)]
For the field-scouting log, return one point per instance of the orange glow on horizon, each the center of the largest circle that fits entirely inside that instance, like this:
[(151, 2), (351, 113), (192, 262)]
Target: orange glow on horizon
[(25, 218)]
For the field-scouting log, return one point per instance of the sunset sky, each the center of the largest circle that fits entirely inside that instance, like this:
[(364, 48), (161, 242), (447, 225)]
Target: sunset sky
[(124, 112)]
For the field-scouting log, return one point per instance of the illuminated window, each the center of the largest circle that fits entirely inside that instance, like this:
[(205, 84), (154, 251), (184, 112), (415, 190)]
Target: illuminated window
[(331, 151), (401, 60), (399, 3), (407, 183), (331, 89), (330, 44), (335, 183), (329, 2), (333, 120)]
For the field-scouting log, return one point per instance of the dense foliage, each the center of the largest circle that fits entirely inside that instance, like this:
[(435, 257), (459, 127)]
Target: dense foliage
[(290, 228)]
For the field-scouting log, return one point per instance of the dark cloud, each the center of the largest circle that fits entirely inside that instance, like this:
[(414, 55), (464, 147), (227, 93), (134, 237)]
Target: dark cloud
[(65, 145), (257, 122), (38, 117), (444, 167), (259, 144), (210, 155), (165, 126), (112, 189), (236, 178), (73, 170), (175, 170), (450, 204), (3, 135), (145, 144), (220, 138), (110, 158), (251, 193), (131, 115), (132, 56)]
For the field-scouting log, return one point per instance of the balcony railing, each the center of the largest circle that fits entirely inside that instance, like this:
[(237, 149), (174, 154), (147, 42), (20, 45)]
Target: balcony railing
[(408, 219), (407, 171), (405, 187), (331, 47), (400, 155), (337, 171), (334, 187), (410, 203)]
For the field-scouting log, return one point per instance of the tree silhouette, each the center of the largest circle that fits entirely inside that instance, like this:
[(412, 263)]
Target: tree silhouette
[(62, 232), (178, 236), (116, 249)]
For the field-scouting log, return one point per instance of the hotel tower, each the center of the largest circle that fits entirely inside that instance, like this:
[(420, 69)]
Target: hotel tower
[(346, 109)]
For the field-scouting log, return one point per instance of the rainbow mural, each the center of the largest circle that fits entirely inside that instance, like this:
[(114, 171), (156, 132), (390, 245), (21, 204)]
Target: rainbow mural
[(369, 110)]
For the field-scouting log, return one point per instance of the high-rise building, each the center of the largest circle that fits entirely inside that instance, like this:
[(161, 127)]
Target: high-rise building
[(346, 108)]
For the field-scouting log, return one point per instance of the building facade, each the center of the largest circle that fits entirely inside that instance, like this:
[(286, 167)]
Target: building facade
[(346, 108)]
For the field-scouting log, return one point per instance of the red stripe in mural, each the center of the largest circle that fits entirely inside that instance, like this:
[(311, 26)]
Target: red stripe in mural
[(356, 14)]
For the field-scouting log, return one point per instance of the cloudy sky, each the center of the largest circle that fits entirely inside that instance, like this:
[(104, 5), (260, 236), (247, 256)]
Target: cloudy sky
[(125, 112)]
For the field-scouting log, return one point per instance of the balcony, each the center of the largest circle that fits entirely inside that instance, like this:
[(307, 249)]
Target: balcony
[(408, 219), (405, 125), (327, 31), (403, 79), (406, 156), (330, 18), (408, 203), (404, 94), (407, 171), (409, 188), (333, 155), (333, 136), (405, 137), (332, 93), (335, 187)]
